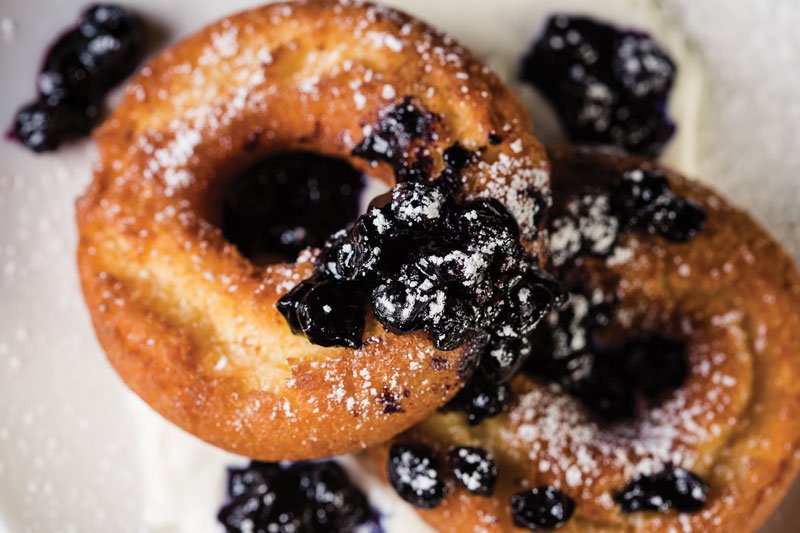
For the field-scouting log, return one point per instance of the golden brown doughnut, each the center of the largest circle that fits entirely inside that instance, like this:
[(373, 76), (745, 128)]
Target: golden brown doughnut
[(188, 323), (732, 296)]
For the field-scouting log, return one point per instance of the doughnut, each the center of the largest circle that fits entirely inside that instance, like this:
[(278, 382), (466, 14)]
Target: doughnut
[(662, 396), (188, 322)]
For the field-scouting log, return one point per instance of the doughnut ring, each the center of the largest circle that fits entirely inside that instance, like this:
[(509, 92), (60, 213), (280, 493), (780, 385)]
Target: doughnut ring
[(715, 450), (188, 322)]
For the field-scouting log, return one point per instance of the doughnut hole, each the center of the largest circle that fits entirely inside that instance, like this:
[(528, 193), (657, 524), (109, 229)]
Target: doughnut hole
[(288, 202)]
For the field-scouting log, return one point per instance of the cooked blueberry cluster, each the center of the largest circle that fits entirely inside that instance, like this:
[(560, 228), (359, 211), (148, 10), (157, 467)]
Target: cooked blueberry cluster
[(289, 202), (541, 508), (641, 200), (426, 262), (78, 70), (302, 497), (672, 488), (419, 477), (399, 138), (608, 85)]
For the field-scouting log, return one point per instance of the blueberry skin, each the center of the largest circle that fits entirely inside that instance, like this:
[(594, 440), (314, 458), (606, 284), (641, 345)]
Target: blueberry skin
[(44, 128), (481, 398), (474, 468), (541, 508), (415, 473), (672, 488)]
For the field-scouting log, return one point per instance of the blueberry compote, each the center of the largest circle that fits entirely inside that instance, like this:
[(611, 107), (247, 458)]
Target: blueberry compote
[(541, 508), (608, 85), (672, 488), (424, 261), (302, 497), (81, 66), (288, 202)]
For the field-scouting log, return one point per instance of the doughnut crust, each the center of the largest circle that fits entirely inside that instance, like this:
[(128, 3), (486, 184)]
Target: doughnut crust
[(189, 323), (733, 296)]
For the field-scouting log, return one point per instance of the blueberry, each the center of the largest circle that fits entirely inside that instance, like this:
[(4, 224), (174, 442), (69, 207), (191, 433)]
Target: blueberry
[(678, 220), (541, 508), (415, 473), (356, 255), (399, 125), (245, 510), (474, 468), (299, 497), (503, 355), (102, 19), (335, 504), (115, 42), (481, 399), (528, 299), (642, 67), (456, 159), (42, 127), (608, 86), (487, 223), (637, 194), (402, 302), (451, 321), (329, 313), (65, 78), (672, 488), (588, 228), (417, 206)]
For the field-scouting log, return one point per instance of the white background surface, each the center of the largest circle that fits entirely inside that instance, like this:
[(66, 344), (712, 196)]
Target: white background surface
[(76, 456)]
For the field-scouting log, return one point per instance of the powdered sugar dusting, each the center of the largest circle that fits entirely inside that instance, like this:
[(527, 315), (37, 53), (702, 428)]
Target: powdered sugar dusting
[(520, 184)]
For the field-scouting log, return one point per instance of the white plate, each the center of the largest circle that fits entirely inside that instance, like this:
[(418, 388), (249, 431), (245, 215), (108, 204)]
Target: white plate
[(76, 455)]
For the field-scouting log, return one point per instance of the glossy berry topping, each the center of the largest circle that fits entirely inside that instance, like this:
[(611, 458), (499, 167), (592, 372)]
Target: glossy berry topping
[(289, 202), (81, 66), (328, 312), (427, 262), (415, 473), (541, 508), (640, 200), (608, 85), (305, 497), (401, 127), (672, 488), (481, 398), (42, 127), (643, 199), (474, 468)]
